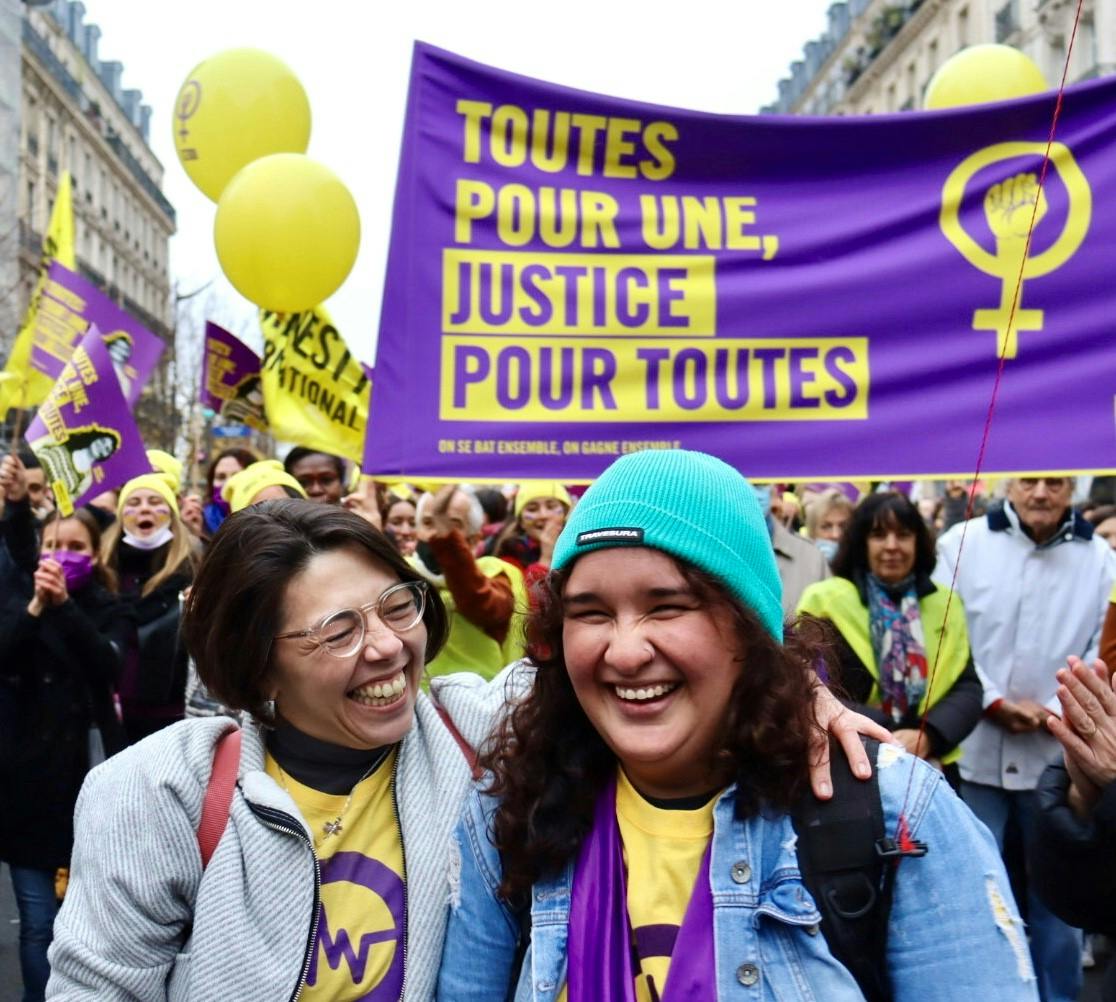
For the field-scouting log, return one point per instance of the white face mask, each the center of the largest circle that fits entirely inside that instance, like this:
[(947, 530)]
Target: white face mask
[(828, 547), (158, 538)]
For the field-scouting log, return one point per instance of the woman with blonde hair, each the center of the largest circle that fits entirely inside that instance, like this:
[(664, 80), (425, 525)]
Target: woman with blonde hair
[(152, 553), (827, 515)]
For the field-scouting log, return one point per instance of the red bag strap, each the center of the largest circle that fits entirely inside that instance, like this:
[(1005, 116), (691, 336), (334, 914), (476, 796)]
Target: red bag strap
[(218, 794), (467, 749)]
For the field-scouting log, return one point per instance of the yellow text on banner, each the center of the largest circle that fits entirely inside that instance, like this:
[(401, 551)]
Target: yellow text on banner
[(27, 386), (639, 380), (519, 292), (315, 390)]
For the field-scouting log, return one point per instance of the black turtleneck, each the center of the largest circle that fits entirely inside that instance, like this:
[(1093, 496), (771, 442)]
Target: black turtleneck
[(321, 765)]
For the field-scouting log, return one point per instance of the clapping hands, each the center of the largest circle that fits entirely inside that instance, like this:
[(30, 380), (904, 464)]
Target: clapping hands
[(1086, 730)]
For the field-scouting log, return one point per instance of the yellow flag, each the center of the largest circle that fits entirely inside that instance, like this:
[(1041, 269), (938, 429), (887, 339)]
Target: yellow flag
[(22, 385), (315, 390)]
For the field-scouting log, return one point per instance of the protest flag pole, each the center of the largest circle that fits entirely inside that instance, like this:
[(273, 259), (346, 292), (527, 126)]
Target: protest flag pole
[(17, 432), (17, 428)]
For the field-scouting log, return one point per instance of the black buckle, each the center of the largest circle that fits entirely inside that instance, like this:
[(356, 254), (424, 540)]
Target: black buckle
[(888, 848)]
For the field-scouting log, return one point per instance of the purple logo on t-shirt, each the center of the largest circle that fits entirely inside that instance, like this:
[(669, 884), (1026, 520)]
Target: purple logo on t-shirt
[(338, 944)]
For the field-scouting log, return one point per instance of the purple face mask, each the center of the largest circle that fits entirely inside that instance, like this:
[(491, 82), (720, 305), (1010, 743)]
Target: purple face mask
[(220, 503), (77, 568)]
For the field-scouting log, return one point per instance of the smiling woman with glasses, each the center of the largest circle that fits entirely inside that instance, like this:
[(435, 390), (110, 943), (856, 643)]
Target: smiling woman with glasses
[(342, 633), (348, 786)]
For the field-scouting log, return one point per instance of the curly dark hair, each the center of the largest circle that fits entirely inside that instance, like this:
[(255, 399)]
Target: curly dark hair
[(884, 509), (548, 763)]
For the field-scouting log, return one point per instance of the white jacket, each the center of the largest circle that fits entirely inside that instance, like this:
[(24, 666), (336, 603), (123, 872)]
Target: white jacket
[(142, 921), (1029, 607)]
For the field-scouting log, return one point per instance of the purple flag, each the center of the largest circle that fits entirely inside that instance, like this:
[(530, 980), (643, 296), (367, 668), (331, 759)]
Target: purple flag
[(230, 383), (84, 434), (572, 277), (69, 304)]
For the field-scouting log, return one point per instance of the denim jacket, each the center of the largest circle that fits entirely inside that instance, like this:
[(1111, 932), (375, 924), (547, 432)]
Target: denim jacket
[(954, 933)]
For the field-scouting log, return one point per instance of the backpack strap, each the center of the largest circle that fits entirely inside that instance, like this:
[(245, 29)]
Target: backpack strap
[(848, 865), (218, 794), (467, 749)]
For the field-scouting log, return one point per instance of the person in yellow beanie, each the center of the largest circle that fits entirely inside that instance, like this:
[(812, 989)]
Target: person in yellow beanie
[(262, 481), (166, 464), (540, 512), (153, 556), (190, 505)]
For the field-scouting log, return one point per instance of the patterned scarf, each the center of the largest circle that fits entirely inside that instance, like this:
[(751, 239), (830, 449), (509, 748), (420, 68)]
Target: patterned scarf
[(899, 646)]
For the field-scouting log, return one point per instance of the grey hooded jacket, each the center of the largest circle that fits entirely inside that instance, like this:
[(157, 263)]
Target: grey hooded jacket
[(142, 921)]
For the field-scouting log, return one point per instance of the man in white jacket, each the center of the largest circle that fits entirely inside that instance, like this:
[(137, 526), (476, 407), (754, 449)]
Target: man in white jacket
[(1035, 582)]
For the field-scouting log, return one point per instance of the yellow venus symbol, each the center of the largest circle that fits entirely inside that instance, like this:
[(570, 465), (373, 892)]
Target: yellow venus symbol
[(1008, 207)]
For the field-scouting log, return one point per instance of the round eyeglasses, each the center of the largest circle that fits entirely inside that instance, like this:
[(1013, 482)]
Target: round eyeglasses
[(342, 633)]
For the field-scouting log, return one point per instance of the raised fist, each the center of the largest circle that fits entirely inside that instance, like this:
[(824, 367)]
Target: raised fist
[(1009, 205)]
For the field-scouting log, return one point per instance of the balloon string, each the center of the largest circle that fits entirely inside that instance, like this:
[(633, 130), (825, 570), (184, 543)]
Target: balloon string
[(1001, 358)]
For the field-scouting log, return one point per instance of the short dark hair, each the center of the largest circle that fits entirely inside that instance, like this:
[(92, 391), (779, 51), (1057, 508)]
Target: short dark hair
[(29, 459), (235, 605), (1100, 513), (882, 509), (494, 503), (300, 452)]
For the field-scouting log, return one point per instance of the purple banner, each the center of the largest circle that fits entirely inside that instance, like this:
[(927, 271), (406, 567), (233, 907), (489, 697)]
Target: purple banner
[(69, 304), (84, 434), (230, 383), (572, 277)]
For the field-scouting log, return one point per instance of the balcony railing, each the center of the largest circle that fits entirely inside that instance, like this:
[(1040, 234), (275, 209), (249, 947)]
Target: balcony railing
[(92, 274), (151, 322), (140, 175), (30, 240), (879, 31)]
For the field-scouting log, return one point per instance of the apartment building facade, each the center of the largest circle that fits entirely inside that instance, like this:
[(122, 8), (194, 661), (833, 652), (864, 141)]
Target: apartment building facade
[(76, 115), (877, 56)]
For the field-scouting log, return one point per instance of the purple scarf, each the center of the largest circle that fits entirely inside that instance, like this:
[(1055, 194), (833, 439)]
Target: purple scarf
[(600, 937)]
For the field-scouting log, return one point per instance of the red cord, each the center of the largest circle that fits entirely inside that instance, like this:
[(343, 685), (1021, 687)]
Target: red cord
[(902, 826)]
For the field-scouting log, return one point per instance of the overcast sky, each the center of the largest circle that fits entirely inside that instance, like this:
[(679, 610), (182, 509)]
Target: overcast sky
[(353, 58)]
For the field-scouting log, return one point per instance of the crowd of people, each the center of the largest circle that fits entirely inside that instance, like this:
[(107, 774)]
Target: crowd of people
[(542, 742)]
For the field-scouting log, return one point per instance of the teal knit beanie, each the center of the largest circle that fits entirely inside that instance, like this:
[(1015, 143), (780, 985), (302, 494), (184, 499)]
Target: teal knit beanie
[(689, 505)]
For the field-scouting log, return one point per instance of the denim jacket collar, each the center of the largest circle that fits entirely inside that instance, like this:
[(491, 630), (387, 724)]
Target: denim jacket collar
[(753, 866)]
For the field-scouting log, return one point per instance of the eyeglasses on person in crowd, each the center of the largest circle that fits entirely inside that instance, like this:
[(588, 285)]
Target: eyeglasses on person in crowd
[(1050, 483), (342, 633)]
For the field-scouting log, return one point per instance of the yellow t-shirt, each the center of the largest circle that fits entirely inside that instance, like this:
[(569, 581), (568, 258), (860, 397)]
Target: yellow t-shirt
[(663, 848), (359, 952)]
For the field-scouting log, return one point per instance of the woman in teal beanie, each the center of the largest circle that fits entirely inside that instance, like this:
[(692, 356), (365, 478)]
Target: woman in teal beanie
[(634, 837)]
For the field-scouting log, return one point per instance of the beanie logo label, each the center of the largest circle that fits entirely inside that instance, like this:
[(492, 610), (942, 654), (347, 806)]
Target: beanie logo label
[(617, 535)]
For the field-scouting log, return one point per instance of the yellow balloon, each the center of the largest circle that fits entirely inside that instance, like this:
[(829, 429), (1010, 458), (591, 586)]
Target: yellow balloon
[(287, 232), (237, 106), (981, 74)]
